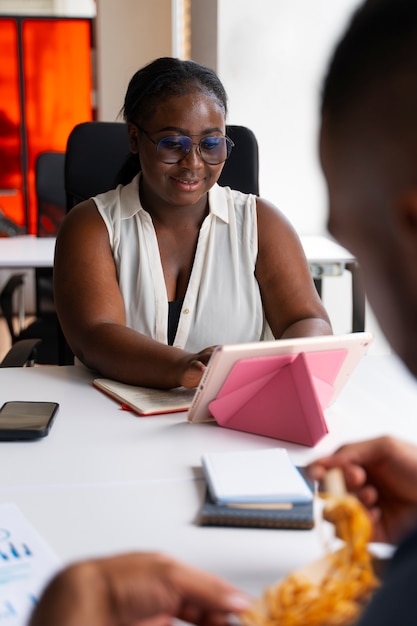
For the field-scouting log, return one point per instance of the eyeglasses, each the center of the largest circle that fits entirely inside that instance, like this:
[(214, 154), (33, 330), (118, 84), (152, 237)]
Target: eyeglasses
[(213, 149)]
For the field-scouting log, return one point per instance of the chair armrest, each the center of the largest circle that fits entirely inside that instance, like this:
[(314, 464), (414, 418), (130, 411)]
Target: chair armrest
[(15, 281), (22, 353)]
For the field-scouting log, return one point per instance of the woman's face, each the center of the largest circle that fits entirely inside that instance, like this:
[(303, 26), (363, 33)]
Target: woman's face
[(195, 115)]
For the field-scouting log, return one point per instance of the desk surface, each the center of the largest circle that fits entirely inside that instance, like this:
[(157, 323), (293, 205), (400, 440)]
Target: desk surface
[(26, 251), (30, 251), (321, 250), (105, 480)]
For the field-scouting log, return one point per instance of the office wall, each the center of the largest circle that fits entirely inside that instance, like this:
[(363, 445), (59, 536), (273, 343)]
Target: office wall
[(129, 34), (204, 29), (272, 55)]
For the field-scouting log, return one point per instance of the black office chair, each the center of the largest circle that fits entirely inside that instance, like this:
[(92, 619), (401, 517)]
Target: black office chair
[(44, 329), (241, 170), (23, 352), (51, 201), (50, 192), (51, 204), (95, 153)]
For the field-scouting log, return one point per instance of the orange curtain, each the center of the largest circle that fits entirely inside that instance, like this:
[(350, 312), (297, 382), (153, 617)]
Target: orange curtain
[(56, 95), (11, 179)]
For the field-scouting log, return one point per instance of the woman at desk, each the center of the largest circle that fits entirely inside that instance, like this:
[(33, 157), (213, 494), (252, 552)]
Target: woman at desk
[(151, 275)]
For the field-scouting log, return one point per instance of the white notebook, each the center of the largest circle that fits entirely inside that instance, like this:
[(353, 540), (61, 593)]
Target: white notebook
[(265, 475)]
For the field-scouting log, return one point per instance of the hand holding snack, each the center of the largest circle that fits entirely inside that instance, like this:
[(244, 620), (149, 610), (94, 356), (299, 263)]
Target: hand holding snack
[(336, 596), (382, 473)]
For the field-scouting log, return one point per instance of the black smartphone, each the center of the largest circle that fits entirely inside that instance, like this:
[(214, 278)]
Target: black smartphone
[(26, 420)]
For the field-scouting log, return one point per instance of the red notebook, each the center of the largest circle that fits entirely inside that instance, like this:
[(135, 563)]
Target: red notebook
[(280, 396)]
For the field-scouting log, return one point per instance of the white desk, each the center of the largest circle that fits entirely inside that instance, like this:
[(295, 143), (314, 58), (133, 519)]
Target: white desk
[(106, 481), (325, 257), (26, 251), (328, 258)]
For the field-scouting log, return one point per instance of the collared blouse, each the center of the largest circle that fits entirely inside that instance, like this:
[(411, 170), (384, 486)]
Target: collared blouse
[(222, 303)]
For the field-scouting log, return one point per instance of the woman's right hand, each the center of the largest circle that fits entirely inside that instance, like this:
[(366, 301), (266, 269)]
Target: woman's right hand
[(382, 472), (194, 366)]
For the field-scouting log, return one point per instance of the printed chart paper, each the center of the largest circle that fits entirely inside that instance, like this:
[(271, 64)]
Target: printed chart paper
[(26, 564)]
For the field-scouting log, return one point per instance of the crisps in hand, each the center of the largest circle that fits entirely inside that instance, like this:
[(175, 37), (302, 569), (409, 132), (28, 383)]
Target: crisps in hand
[(332, 591)]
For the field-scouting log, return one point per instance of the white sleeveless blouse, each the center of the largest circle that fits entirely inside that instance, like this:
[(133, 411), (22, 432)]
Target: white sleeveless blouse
[(222, 303)]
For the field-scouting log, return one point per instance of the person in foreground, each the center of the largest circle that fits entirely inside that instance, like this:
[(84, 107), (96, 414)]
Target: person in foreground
[(132, 589), (150, 276), (369, 157)]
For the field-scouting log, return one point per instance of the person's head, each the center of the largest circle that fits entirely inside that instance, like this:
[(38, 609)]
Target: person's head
[(368, 148), (176, 111)]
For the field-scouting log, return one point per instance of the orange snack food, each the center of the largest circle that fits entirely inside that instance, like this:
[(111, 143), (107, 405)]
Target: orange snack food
[(335, 597)]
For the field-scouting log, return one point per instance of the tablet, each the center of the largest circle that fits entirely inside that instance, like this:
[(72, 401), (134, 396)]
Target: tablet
[(238, 373)]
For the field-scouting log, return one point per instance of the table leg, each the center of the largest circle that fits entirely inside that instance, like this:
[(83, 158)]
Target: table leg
[(358, 297)]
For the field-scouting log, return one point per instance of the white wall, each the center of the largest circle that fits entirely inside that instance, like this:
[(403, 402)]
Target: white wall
[(272, 55), (130, 33)]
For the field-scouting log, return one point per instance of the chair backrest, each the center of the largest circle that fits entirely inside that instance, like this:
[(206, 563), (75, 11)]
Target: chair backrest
[(241, 170), (51, 205), (50, 192), (96, 152)]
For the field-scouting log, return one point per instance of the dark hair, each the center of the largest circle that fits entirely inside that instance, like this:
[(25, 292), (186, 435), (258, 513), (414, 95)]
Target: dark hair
[(380, 42), (160, 79)]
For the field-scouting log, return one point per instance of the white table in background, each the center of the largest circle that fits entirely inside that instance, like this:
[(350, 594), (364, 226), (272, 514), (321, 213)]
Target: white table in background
[(328, 258), (325, 257), (26, 251)]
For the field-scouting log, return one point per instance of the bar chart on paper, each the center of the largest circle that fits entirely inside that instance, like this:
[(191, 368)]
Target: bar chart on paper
[(26, 563)]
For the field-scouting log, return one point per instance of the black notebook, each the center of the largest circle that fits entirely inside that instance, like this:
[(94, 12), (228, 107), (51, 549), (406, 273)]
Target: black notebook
[(296, 515)]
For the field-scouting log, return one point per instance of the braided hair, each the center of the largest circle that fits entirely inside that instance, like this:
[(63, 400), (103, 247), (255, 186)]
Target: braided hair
[(163, 78)]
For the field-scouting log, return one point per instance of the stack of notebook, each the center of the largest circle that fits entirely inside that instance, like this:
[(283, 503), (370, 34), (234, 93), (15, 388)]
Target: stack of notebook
[(256, 488)]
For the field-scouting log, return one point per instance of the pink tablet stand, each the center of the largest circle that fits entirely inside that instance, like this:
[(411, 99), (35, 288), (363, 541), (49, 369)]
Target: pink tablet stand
[(279, 396)]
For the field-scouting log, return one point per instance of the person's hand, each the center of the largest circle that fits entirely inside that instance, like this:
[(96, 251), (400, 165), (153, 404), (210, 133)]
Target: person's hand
[(132, 589), (194, 366), (382, 472)]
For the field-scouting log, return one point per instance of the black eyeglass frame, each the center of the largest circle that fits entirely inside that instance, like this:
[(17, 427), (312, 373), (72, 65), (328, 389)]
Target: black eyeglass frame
[(229, 146)]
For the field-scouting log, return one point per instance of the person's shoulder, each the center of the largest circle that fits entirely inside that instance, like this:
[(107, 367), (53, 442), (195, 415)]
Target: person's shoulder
[(82, 223), (81, 212), (267, 210), (121, 202), (273, 225)]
